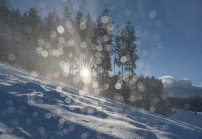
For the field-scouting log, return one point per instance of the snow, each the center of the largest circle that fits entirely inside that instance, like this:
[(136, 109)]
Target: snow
[(30, 107), (188, 117)]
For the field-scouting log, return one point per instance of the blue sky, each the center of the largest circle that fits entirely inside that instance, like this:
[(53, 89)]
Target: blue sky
[(169, 31)]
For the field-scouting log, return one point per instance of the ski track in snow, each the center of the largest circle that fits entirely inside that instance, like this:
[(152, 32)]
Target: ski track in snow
[(30, 107)]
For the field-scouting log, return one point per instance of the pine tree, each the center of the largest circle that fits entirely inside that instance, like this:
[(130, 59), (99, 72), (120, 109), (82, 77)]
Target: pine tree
[(131, 49), (89, 39), (79, 51), (35, 22), (15, 28), (115, 48), (196, 104), (127, 49), (31, 33), (15, 24), (67, 23), (104, 36), (56, 19), (4, 16), (163, 107), (66, 15), (48, 26), (121, 50), (78, 31), (4, 29)]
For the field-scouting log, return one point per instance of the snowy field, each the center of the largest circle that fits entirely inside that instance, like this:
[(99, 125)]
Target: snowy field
[(188, 117), (30, 107)]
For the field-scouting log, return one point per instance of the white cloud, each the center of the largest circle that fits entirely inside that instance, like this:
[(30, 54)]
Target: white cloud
[(167, 80)]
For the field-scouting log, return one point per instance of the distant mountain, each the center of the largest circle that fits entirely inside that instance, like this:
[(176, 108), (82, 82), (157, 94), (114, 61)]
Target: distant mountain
[(183, 91), (180, 88)]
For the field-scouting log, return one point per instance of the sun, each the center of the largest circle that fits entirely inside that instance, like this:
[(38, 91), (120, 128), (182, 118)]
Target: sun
[(86, 75), (85, 72)]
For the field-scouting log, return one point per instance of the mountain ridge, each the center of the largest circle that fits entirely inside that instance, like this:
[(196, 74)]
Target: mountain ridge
[(180, 88)]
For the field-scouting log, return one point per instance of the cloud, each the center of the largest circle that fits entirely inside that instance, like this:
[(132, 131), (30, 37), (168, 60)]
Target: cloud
[(167, 80), (180, 88), (184, 81)]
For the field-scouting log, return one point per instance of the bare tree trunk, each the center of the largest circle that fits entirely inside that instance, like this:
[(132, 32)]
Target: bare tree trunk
[(114, 61), (129, 68), (122, 69)]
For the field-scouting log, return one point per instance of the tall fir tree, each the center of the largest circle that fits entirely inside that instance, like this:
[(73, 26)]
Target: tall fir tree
[(35, 24), (48, 26), (4, 29), (115, 48), (131, 48), (32, 32), (104, 39), (78, 37), (67, 23), (89, 39), (127, 49)]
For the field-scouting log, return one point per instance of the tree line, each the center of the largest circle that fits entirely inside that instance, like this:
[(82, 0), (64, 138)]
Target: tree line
[(192, 103), (78, 39), (60, 47)]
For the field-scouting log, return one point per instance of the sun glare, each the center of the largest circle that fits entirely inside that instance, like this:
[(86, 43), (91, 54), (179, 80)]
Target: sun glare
[(85, 73)]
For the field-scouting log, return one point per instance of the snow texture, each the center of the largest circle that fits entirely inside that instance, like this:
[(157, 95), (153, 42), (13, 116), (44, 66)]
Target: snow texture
[(30, 107)]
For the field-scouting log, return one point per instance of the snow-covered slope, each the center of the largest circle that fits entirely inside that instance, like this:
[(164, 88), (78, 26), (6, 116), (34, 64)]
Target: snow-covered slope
[(187, 116), (30, 107)]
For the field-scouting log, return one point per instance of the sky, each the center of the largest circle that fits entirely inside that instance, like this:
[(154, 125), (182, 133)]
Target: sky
[(169, 31)]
